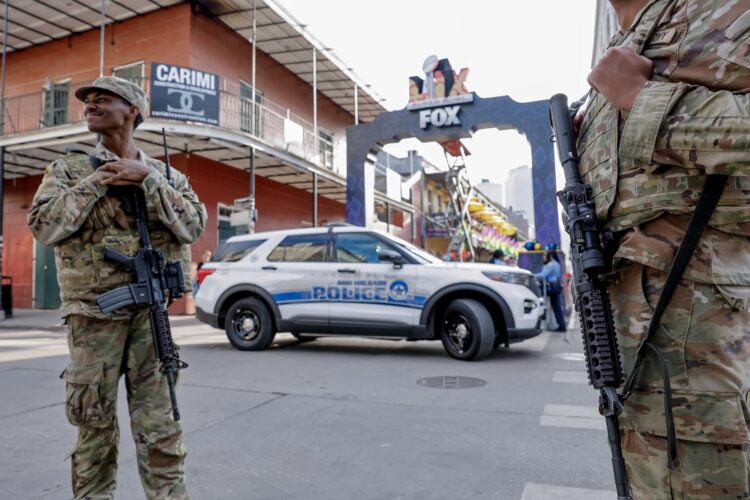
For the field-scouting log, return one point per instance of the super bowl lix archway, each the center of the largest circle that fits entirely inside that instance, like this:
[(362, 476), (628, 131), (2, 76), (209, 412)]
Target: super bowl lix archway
[(451, 118)]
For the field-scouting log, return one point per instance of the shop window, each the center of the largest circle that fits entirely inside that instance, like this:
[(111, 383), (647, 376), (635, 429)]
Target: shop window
[(56, 104), (429, 203), (250, 119), (326, 147), (131, 72), (303, 248), (440, 202)]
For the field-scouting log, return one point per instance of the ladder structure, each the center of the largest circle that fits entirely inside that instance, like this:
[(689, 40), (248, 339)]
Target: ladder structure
[(460, 192)]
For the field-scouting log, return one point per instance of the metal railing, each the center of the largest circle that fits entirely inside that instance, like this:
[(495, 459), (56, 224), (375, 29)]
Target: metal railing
[(268, 121)]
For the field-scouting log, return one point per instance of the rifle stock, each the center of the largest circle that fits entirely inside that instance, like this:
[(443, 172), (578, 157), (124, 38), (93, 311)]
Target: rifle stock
[(587, 245)]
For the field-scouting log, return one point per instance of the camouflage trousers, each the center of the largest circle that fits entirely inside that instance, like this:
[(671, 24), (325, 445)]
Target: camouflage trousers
[(704, 337), (100, 352)]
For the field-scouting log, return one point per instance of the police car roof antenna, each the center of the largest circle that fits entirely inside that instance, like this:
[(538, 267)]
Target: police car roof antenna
[(166, 157)]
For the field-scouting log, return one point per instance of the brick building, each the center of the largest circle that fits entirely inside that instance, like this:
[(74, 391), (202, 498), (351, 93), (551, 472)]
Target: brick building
[(281, 109)]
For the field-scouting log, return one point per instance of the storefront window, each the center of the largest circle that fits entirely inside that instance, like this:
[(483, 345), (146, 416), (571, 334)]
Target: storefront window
[(131, 72)]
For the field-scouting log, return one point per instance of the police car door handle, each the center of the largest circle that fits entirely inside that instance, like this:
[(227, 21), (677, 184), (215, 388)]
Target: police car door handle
[(347, 270), (269, 268)]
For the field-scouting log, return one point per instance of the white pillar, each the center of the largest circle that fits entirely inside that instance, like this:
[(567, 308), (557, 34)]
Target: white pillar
[(315, 100), (255, 91)]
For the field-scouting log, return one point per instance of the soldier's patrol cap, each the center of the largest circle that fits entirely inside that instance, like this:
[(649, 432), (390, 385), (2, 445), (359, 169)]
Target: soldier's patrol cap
[(132, 93)]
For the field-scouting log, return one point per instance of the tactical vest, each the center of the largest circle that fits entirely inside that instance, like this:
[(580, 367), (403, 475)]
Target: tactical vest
[(83, 273), (628, 194)]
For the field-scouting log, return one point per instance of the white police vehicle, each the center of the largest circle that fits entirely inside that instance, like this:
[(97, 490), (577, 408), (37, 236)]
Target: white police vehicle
[(347, 280)]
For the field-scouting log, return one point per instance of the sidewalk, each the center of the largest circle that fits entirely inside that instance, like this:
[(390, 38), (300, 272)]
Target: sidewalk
[(49, 319)]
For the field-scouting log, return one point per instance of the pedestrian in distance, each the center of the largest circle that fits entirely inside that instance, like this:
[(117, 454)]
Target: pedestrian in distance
[(670, 111), (551, 275), (206, 258), (498, 257), (74, 212)]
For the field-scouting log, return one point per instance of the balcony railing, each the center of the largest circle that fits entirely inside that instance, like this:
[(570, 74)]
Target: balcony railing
[(267, 121)]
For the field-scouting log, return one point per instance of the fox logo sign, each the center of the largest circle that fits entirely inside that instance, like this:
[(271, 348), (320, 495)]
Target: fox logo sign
[(439, 117)]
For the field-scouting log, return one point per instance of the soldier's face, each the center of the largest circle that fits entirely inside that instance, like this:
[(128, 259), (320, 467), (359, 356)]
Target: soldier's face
[(106, 112)]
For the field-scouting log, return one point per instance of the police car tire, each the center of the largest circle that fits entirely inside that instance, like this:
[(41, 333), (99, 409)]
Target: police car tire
[(250, 307), (482, 328)]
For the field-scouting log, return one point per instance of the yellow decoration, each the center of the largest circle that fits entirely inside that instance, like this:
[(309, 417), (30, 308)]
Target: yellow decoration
[(475, 206)]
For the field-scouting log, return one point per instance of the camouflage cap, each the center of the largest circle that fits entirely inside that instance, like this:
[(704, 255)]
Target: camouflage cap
[(120, 87)]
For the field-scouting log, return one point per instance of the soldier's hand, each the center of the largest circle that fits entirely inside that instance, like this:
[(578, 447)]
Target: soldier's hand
[(126, 172), (90, 234), (619, 76), (100, 175), (106, 211)]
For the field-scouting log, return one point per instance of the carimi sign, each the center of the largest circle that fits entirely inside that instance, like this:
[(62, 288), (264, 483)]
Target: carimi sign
[(184, 94)]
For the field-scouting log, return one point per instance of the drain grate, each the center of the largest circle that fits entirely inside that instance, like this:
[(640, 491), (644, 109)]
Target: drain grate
[(451, 382)]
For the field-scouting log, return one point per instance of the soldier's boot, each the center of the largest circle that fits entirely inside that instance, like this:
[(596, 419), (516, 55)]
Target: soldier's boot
[(94, 463)]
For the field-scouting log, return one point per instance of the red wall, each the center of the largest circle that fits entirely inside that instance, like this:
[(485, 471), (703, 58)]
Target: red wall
[(161, 36), (18, 243), (175, 36), (216, 48), (279, 207)]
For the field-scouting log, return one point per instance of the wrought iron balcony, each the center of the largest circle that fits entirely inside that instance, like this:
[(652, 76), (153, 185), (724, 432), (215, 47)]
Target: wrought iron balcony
[(56, 106)]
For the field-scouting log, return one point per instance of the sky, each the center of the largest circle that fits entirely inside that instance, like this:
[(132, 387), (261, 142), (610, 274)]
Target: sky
[(526, 49)]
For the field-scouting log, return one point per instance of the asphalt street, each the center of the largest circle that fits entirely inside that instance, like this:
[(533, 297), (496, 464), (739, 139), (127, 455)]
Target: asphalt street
[(336, 418)]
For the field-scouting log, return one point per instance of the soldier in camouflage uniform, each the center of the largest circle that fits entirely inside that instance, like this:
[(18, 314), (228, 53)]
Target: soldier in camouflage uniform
[(671, 105), (73, 212)]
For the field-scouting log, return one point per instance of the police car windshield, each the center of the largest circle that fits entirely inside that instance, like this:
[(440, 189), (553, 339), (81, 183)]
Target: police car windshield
[(420, 255)]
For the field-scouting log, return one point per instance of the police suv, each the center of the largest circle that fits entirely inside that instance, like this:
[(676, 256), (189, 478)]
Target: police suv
[(347, 280)]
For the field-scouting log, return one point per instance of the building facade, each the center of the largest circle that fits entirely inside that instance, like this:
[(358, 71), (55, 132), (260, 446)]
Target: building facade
[(268, 133), (519, 194)]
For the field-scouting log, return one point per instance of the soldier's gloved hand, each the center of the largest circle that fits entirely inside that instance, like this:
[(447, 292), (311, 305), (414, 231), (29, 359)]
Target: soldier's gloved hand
[(91, 234), (106, 211), (102, 214), (119, 214)]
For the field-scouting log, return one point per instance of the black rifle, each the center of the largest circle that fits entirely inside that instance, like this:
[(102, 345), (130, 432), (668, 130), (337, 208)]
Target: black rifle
[(153, 276), (587, 246)]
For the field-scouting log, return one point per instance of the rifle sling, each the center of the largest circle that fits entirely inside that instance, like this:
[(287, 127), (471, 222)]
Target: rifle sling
[(712, 191)]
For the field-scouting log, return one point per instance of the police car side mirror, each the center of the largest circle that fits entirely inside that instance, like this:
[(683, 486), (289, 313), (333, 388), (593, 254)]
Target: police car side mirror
[(388, 255)]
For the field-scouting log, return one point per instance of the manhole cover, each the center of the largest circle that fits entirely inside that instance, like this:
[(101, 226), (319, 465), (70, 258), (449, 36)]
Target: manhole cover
[(571, 356), (451, 382)]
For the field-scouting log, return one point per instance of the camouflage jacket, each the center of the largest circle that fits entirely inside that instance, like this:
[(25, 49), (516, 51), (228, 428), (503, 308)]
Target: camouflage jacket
[(692, 119), (64, 202)]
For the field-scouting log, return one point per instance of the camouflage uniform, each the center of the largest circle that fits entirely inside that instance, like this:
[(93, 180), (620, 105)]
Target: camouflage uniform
[(104, 346), (647, 169)]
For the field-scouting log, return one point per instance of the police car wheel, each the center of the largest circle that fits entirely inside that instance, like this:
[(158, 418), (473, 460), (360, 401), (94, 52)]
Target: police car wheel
[(248, 325), (467, 330)]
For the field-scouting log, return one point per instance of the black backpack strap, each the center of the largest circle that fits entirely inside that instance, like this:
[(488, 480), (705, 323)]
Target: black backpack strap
[(707, 203)]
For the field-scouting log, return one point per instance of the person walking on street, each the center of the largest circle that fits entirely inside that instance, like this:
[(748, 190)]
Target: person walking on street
[(551, 274), (74, 212), (669, 113)]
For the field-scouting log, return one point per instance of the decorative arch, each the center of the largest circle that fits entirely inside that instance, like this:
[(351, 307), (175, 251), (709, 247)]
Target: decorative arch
[(474, 113)]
